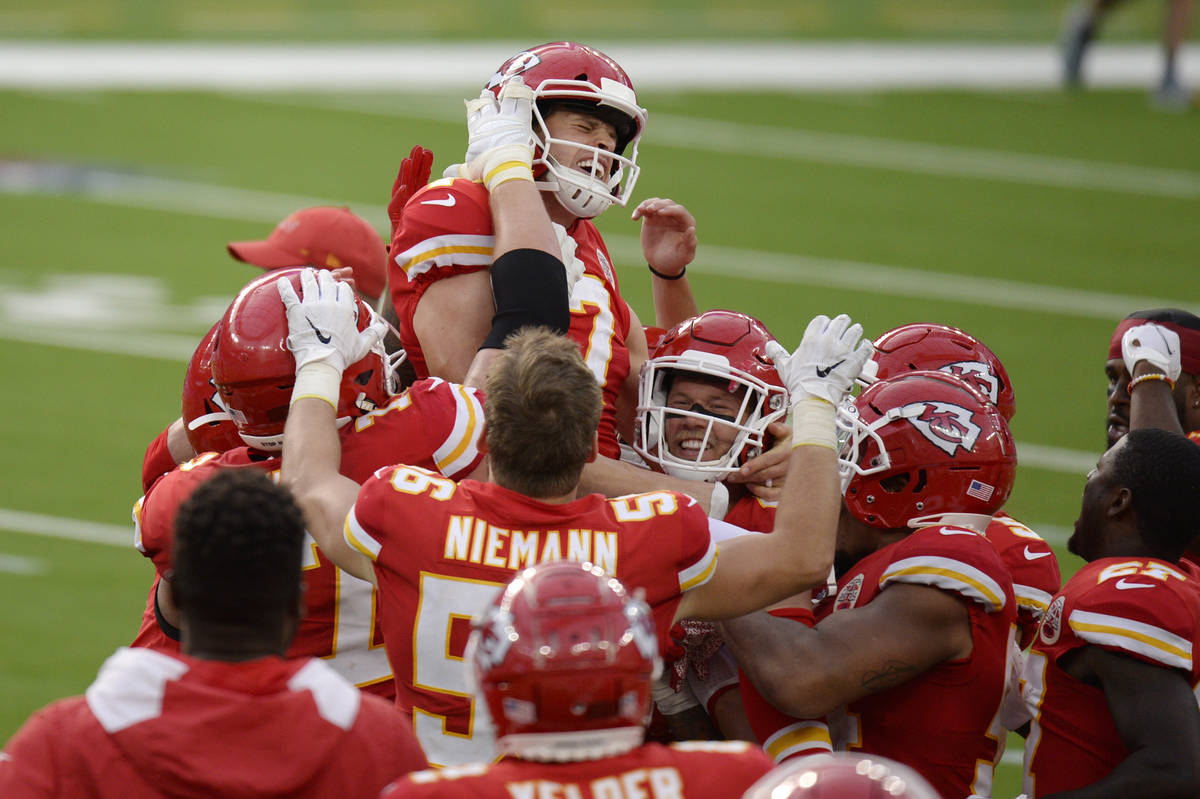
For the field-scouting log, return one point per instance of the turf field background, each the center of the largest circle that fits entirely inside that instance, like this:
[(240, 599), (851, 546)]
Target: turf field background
[(1034, 220), (546, 20)]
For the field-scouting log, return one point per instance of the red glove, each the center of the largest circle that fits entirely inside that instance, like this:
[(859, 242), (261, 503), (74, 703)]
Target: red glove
[(413, 175)]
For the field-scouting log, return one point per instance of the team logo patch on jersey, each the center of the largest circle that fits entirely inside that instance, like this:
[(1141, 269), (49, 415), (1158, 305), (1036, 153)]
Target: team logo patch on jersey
[(1051, 626), (978, 375), (946, 425), (848, 596)]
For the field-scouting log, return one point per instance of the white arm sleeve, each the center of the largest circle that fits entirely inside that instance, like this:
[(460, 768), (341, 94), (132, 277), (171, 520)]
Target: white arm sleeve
[(723, 531)]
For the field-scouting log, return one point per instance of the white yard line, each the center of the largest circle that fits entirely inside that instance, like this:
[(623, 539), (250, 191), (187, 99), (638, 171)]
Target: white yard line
[(227, 202), (726, 66), (15, 564), (71, 529)]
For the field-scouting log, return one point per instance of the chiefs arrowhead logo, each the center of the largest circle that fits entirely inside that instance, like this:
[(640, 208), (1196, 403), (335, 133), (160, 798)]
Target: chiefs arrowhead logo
[(516, 66), (847, 597), (946, 425), (978, 375), (1051, 625)]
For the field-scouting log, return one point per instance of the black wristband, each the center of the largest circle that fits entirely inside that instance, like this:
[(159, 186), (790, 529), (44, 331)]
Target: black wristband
[(659, 274), (530, 289)]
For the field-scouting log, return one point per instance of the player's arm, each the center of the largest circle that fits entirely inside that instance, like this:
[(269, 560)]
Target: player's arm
[(527, 277), (754, 571), (614, 478), (804, 672), (669, 245), (324, 338), (1156, 716), (1151, 355)]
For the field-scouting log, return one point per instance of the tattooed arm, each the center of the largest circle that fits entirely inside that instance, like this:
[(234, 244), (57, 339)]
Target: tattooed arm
[(903, 632)]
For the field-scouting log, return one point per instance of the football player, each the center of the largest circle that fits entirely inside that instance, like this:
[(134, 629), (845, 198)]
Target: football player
[(578, 134), (914, 644), (1112, 678), (1158, 353), (228, 716), (433, 423), (438, 549), (562, 660), (842, 776), (926, 346)]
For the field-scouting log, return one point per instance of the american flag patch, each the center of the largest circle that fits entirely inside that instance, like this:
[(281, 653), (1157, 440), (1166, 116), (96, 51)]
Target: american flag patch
[(981, 491)]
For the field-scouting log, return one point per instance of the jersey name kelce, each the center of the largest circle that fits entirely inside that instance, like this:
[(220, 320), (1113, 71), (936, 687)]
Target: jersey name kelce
[(1142, 608), (448, 231), (442, 550), (434, 423)]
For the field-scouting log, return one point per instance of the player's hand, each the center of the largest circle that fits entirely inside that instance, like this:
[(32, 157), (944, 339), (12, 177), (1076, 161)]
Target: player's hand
[(1155, 344), (764, 474), (323, 322), (827, 362), (668, 234), (500, 134), (413, 175)]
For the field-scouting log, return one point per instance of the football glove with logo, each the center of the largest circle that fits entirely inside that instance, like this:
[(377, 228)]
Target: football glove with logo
[(323, 333), (500, 135), (1153, 343), (827, 362)]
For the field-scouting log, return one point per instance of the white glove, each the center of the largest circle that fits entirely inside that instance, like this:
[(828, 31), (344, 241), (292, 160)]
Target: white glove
[(323, 324), (827, 362), (571, 263), (1153, 343), (500, 135), (670, 701)]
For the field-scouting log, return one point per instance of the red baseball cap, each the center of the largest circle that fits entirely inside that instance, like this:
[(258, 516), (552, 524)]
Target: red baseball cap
[(323, 236)]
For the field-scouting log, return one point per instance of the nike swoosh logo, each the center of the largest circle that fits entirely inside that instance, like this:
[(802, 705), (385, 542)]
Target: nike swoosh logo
[(1031, 555), (945, 531), (320, 338), (825, 372), (447, 201), (1124, 585)]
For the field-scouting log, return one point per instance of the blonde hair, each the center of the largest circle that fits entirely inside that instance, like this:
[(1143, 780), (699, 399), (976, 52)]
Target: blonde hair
[(542, 409)]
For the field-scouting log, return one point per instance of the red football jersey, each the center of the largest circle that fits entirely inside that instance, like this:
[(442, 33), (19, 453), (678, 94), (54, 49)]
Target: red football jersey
[(1144, 608), (752, 513), (944, 722), (434, 423), (154, 725), (442, 550), (157, 461), (1033, 567), (694, 769), (448, 231)]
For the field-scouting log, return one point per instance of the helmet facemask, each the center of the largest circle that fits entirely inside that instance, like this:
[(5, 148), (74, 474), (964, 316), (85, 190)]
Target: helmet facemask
[(760, 405), (612, 174)]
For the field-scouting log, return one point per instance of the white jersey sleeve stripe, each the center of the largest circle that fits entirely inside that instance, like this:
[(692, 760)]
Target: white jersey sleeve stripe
[(807, 737), (1133, 636), (130, 686), (947, 574), (701, 571), (359, 538), (1031, 598), (460, 449), (446, 251), (337, 700)]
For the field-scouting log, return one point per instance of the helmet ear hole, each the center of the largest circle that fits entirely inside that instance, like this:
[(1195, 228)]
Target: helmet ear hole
[(895, 483)]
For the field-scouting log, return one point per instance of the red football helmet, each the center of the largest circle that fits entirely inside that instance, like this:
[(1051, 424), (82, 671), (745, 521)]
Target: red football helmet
[(577, 76), (725, 346), (842, 775), (941, 348), (922, 444), (254, 370), (563, 658), (206, 420)]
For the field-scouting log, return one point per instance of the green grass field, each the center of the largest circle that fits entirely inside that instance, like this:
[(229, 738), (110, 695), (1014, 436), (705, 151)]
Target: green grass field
[(1033, 220)]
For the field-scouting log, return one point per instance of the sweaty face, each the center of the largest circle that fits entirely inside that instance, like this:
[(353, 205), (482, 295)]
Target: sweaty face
[(1085, 541), (710, 397), (1118, 400), (577, 126)]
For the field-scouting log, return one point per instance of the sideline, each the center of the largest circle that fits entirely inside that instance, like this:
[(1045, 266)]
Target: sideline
[(727, 66)]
